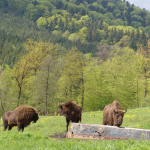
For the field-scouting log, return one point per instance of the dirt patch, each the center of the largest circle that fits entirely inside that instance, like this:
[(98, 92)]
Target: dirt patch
[(61, 135)]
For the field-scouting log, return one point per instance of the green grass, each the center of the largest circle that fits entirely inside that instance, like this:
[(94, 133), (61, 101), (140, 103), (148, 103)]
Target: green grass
[(37, 136)]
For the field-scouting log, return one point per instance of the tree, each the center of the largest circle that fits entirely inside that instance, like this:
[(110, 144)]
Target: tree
[(96, 94), (7, 90), (145, 52), (143, 39), (104, 51), (72, 82), (41, 22), (125, 41), (28, 64), (123, 72), (45, 84)]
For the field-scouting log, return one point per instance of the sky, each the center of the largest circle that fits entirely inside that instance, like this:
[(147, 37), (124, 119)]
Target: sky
[(141, 3)]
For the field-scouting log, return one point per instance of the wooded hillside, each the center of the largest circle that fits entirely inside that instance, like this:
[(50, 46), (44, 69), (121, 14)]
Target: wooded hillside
[(80, 23), (89, 51)]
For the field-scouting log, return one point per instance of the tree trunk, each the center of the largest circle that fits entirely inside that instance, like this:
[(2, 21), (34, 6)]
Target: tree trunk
[(46, 96), (137, 96), (3, 110), (18, 103), (82, 101), (145, 88)]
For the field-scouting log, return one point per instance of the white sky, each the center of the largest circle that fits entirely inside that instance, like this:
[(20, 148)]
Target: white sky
[(141, 3)]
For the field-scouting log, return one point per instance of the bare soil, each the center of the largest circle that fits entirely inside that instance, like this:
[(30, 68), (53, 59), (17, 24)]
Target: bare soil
[(61, 135)]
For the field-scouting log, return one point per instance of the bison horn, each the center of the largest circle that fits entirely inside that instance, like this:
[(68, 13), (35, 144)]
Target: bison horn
[(125, 111)]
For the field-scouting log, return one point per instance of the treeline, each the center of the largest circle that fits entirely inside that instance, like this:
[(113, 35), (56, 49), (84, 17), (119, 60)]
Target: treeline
[(45, 77), (89, 51), (115, 12), (15, 30)]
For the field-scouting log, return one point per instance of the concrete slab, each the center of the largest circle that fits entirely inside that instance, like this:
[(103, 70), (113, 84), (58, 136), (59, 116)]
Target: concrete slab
[(96, 130)]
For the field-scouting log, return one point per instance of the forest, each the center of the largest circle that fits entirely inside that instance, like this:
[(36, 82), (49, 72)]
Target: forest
[(89, 51)]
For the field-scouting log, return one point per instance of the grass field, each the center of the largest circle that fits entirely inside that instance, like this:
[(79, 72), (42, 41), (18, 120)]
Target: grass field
[(37, 136)]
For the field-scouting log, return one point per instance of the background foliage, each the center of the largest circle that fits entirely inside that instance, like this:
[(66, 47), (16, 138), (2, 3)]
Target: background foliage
[(89, 51)]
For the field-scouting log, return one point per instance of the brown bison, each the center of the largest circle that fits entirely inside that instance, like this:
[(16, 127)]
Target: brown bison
[(21, 117), (113, 115), (72, 111)]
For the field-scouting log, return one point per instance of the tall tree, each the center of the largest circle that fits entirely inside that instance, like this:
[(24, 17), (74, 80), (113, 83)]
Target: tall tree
[(145, 51), (122, 71), (45, 84), (72, 76), (7, 90), (28, 64)]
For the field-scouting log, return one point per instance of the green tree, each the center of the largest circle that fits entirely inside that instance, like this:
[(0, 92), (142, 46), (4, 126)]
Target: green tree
[(125, 41), (28, 64), (145, 52), (45, 84), (72, 84), (122, 73), (41, 22), (7, 90)]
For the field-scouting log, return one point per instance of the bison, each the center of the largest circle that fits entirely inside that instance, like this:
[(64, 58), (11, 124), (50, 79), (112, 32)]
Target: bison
[(21, 117), (113, 114), (72, 111)]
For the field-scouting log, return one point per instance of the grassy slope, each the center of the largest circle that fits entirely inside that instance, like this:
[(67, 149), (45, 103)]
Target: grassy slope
[(36, 136)]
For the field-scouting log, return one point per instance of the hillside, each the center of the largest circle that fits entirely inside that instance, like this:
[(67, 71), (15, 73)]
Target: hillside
[(81, 23), (90, 51)]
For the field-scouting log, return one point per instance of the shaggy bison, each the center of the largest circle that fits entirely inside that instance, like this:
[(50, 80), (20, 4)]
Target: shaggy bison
[(113, 115), (71, 110), (21, 117)]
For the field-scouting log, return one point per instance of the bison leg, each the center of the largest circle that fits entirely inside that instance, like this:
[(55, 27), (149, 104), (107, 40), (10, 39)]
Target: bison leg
[(5, 127), (5, 124), (77, 120), (67, 121), (104, 122), (20, 127), (9, 127), (110, 123)]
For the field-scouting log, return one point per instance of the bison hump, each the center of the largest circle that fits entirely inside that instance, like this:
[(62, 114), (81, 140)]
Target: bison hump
[(25, 112)]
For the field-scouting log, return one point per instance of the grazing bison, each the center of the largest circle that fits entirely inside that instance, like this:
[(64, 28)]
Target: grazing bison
[(71, 110), (21, 117), (113, 114)]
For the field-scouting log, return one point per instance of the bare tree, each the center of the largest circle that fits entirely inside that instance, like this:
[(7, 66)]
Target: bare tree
[(104, 51)]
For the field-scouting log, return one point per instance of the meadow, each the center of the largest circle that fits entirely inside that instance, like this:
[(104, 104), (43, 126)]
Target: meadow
[(38, 136)]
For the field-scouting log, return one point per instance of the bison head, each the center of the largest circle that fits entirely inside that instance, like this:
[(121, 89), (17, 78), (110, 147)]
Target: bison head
[(62, 110), (36, 117), (118, 117)]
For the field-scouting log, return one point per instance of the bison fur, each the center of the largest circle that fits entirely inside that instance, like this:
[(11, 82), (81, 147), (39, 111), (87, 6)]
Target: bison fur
[(21, 117), (72, 111), (5, 119), (113, 114)]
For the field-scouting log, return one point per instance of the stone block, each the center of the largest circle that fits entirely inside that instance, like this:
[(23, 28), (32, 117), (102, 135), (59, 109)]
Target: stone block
[(109, 132)]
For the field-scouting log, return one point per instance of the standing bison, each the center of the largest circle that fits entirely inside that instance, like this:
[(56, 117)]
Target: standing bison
[(72, 111), (21, 117), (113, 115)]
